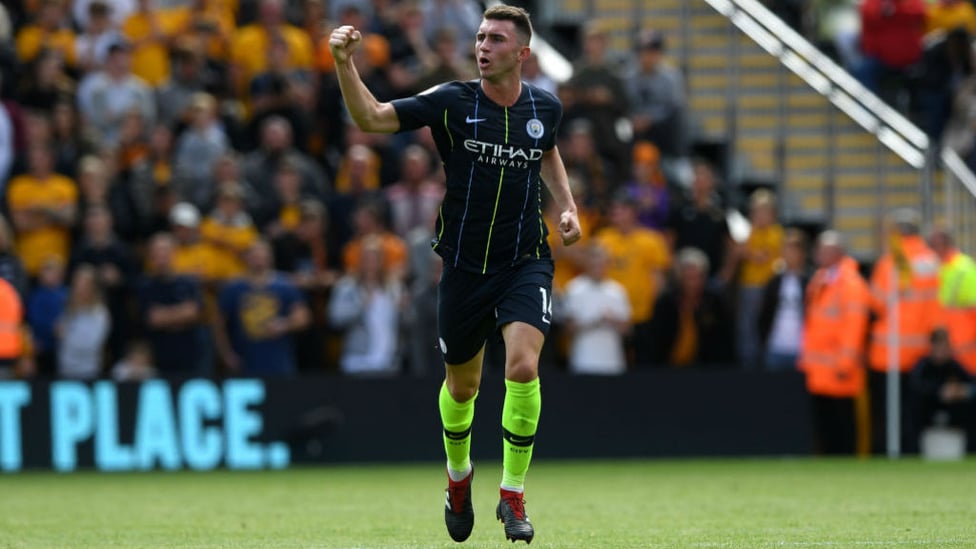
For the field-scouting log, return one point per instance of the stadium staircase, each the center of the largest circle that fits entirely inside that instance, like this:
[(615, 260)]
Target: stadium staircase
[(782, 132)]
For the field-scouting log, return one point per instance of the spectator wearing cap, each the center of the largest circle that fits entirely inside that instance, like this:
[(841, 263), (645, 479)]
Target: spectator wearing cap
[(43, 207), (192, 255), (649, 187), (658, 98), (638, 260), (197, 151), (757, 257), (230, 230), (107, 95), (171, 311), (50, 30)]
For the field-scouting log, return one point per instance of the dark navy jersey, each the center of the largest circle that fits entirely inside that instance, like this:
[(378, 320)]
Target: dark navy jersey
[(491, 216)]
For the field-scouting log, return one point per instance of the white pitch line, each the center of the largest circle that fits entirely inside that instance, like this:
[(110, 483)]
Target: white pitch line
[(863, 543)]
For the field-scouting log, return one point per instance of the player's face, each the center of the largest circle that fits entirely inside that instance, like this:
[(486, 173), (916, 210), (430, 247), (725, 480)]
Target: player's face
[(498, 48)]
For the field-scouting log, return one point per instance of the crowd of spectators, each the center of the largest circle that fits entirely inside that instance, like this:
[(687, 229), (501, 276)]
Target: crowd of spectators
[(183, 194)]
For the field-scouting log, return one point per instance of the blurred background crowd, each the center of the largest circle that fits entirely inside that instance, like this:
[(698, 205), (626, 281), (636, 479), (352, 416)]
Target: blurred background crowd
[(183, 194)]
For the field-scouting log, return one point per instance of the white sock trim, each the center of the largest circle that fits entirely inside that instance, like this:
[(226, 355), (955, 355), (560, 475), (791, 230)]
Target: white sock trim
[(458, 476), (519, 489)]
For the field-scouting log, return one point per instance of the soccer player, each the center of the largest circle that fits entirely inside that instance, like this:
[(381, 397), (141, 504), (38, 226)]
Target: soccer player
[(497, 139)]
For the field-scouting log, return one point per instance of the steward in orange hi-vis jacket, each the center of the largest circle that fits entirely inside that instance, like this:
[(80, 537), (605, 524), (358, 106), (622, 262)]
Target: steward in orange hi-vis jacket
[(912, 269), (917, 274), (834, 336)]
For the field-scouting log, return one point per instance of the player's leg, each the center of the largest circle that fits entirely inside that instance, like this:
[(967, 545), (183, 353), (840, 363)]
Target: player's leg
[(520, 417), (523, 401), (524, 313), (465, 319), (457, 396)]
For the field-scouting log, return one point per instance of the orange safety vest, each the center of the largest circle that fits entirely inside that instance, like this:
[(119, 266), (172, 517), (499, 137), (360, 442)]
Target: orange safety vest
[(958, 318), (834, 331), (919, 311), (11, 318)]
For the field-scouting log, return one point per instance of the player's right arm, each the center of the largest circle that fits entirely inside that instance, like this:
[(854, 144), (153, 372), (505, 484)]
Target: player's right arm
[(369, 114)]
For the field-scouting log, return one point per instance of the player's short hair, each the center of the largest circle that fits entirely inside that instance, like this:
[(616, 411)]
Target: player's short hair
[(515, 14)]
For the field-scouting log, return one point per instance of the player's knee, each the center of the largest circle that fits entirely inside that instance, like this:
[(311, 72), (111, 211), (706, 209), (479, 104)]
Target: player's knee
[(462, 388), (522, 368)]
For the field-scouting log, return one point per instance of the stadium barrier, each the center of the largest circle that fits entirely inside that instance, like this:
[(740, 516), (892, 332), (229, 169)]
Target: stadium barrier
[(250, 423)]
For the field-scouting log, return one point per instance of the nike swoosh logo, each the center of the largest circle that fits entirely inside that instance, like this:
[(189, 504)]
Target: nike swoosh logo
[(470, 120)]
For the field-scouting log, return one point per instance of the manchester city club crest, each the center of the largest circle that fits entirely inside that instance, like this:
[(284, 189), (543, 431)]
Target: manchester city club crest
[(534, 128)]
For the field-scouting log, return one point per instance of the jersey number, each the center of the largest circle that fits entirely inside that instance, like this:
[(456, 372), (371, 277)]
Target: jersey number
[(546, 306)]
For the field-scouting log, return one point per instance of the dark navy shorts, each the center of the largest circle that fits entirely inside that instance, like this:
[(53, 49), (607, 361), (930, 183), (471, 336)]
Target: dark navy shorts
[(471, 306)]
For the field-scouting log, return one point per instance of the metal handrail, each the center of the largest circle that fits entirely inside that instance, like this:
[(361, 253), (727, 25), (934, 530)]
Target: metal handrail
[(897, 133)]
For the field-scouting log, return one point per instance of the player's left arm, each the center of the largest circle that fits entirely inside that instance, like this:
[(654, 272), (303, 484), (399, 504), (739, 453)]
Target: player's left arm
[(554, 176)]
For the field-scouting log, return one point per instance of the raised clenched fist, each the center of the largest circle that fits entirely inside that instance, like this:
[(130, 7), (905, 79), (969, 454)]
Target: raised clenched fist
[(343, 41)]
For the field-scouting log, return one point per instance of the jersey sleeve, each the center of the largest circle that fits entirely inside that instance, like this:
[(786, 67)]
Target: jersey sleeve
[(425, 108)]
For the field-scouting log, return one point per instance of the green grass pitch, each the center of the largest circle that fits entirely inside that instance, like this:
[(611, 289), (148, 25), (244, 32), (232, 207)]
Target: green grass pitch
[(613, 504)]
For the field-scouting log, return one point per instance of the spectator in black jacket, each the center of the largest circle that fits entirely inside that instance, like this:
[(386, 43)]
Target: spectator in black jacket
[(782, 308), (692, 325), (944, 391)]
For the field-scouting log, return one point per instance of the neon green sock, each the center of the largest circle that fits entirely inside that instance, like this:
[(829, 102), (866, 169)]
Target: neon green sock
[(520, 417), (457, 418)]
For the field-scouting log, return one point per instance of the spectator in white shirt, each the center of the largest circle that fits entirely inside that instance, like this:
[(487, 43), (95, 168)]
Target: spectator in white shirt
[(83, 328), (597, 315)]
